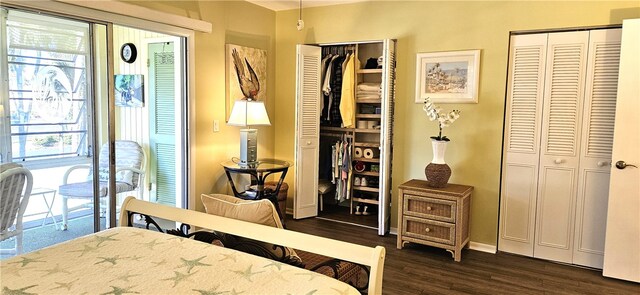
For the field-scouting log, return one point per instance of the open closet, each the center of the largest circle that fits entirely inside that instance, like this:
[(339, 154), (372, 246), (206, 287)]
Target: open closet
[(344, 125)]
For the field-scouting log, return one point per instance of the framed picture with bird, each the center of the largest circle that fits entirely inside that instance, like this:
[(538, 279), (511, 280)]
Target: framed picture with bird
[(246, 75)]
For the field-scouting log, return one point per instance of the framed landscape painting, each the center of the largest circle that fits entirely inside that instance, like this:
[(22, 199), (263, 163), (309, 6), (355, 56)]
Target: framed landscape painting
[(448, 77)]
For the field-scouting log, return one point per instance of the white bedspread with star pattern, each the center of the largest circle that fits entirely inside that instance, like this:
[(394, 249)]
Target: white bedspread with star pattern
[(126, 260)]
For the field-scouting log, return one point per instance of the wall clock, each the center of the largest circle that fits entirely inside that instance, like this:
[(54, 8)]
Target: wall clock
[(128, 52)]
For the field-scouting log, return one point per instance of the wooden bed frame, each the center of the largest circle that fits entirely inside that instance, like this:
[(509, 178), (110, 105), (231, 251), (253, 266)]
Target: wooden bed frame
[(372, 257)]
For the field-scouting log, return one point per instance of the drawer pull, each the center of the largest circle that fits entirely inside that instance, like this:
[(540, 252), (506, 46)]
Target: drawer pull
[(427, 229), (428, 208)]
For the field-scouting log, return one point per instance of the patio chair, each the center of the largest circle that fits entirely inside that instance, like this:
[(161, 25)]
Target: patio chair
[(15, 188), (131, 161)]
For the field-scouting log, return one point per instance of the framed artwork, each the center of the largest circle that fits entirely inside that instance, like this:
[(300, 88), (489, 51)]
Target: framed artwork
[(129, 90), (246, 75), (448, 77)]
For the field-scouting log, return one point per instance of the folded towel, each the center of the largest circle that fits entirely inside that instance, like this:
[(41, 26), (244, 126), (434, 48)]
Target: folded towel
[(369, 86)]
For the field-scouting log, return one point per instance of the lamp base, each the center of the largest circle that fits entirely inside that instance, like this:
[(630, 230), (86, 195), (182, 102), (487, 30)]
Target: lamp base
[(248, 147)]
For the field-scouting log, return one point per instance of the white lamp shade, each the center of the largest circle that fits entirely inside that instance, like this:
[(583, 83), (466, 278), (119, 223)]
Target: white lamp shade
[(246, 113)]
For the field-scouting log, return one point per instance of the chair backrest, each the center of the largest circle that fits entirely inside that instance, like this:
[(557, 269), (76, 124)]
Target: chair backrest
[(129, 154), (15, 188)]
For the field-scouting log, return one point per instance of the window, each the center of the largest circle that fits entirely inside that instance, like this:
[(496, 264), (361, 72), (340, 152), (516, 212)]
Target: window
[(47, 67)]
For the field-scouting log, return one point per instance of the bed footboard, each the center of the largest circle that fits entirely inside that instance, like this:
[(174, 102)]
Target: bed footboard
[(371, 257)]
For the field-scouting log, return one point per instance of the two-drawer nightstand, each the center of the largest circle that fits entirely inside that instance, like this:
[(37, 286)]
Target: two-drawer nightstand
[(437, 217)]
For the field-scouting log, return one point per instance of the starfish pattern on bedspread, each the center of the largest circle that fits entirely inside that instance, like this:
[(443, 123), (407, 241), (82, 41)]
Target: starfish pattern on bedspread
[(179, 277), (26, 260), (20, 291), (113, 260), (15, 270), (102, 239), (120, 291), (119, 262), (231, 256), (190, 264), (312, 275), (247, 274), (151, 244), (212, 291), (65, 285), (125, 277), (275, 264), (54, 270), (87, 249)]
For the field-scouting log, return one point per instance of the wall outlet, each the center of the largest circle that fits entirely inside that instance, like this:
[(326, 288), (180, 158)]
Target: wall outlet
[(216, 125)]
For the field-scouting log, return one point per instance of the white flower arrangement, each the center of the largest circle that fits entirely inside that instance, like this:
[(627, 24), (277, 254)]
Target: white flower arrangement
[(444, 120)]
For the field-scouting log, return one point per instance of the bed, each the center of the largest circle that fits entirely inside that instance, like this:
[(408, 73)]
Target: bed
[(128, 259)]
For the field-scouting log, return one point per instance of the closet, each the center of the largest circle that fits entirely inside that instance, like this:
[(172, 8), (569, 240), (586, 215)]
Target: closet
[(344, 125), (560, 109)]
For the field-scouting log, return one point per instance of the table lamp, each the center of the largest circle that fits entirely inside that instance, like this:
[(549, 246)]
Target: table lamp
[(246, 113)]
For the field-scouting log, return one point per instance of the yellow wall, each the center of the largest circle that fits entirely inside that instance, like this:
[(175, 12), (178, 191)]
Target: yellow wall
[(238, 23), (427, 26)]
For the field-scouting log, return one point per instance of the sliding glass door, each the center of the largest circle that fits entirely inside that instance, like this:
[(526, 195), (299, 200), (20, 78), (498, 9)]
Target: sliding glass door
[(91, 127), (46, 107)]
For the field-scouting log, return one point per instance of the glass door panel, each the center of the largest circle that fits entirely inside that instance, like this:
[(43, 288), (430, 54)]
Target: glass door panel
[(46, 124), (149, 98)]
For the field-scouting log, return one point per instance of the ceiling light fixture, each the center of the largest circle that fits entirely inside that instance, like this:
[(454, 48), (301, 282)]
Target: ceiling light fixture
[(300, 24)]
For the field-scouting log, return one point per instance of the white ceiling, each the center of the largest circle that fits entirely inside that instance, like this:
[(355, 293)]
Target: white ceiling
[(277, 5)]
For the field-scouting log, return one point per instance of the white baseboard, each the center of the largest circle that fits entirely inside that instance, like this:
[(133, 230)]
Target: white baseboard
[(289, 211), (393, 231), (482, 247)]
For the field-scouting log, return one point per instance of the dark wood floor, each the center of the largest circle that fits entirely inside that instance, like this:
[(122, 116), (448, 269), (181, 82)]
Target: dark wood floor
[(418, 269)]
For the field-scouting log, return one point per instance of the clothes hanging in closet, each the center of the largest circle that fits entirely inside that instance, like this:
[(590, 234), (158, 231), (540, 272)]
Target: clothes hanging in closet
[(347, 99), (342, 172), (337, 75)]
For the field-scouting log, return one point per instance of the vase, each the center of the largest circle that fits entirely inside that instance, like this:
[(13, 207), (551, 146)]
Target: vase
[(438, 172)]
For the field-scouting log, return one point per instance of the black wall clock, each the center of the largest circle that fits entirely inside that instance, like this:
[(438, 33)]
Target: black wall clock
[(128, 52)]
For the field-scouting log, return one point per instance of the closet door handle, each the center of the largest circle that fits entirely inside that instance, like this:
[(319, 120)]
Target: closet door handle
[(622, 164), (308, 142), (427, 229), (428, 208), (603, 163), (558, 161)]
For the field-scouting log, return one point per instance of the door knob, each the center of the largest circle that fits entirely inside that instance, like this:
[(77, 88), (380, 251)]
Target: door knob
[(558, 161), (622, 165), (603, 163)]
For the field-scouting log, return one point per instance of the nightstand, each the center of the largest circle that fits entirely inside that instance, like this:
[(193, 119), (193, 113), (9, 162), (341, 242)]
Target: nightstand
[(437, 217)]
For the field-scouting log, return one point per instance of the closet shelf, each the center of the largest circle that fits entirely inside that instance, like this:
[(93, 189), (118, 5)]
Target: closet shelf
[(341, 129), (366, 189), (374, 160), (368, 116), (367, 173), (369, 71), (367, 144), (368, 100), (367, 130), (368, 201)]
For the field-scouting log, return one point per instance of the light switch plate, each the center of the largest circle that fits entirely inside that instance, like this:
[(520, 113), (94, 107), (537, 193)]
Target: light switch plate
[(216, 125)]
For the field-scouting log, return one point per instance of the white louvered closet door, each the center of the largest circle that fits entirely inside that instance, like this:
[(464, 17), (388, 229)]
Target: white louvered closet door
[(559, 149), (305, 201), (522, 134), (596, 145), (389, 84)]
